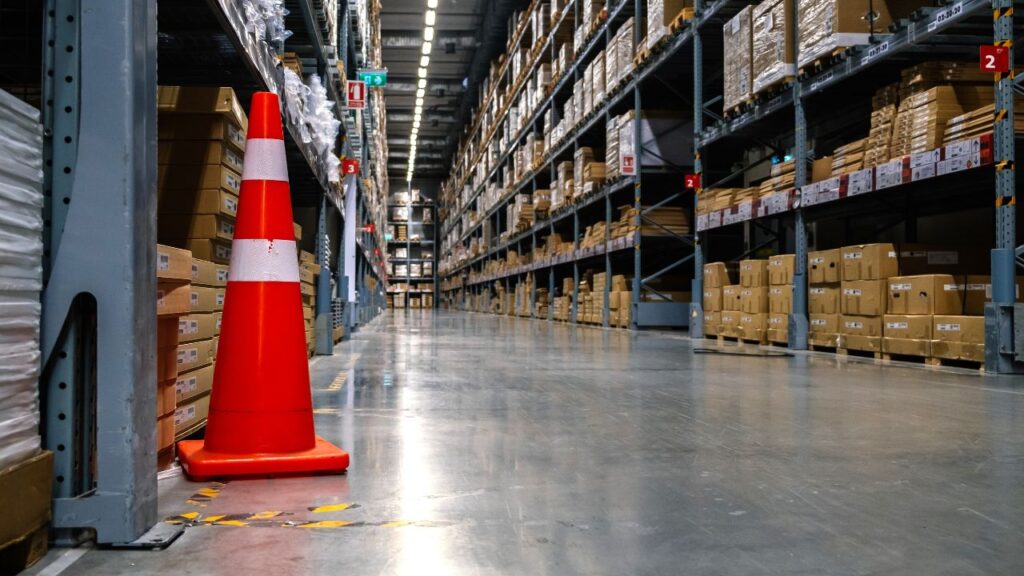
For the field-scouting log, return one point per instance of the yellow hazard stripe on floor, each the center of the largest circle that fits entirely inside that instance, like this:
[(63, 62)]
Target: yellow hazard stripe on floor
[(325, 524), (331, 508), (230, 523), (396, 524), (265, 515)]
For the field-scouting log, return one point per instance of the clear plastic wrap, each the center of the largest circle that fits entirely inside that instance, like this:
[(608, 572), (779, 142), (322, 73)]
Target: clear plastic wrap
[(772, 48), (738, 85), (265, 19), (21, 252), (313, 113)]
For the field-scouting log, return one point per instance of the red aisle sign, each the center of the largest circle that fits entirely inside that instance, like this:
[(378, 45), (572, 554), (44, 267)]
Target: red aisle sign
[(356, 94), (995, 59), (349, 167), (692, 181)]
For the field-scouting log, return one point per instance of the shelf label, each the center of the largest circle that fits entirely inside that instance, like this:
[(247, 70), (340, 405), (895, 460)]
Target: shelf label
[(946, 15), (860, 182), (958, 164), (889, 174), (874, 52), (822, 80)]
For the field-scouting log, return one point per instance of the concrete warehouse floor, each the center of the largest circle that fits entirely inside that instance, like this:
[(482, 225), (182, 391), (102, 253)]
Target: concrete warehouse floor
[(486, 445)]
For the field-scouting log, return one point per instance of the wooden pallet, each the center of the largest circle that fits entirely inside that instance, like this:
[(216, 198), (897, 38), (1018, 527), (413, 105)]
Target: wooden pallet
[(754, 341), (822, 348), (859, 353), (823, 62), (642, 55), (772, 90), (25, 551), (935, 361)]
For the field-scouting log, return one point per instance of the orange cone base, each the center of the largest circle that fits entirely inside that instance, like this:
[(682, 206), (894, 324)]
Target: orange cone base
[(201, 465)]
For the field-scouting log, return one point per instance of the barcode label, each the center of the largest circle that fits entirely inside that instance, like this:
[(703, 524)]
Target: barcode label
[(855, 325), (852, 255), (194, 298), (222, 275), (187, 385), (897, 325), (164, 261), (947, 327), (852, 291), (899, 287), (220, 299), (817, 290), (817, 322)]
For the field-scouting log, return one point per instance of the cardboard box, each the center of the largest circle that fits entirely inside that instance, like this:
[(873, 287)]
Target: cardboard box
[(206, 273), (823, 323), (753, 273), (823, 266), (197, 327), (165, 397), (754, 300), (906, 347), (869, 262), (207, 201), (712, 323), (959, 337), (780, 269), (712, 299), (730, 323), (174, 227), (738, 79), (193, 383), (165, 431), (753, 326), (907, 327), (926, 294), (773, 50), (978, 292), (172, 264), (172, 100), (861, 342), (193, 355), (172, 299), (860, 325), (778, 328), (823, 299), (191, 415), (780, 299), (863, 297), (731, 298), (184, 153), (206, 299), (716, 275), (197, 177), (201, 127), (831, 25), (219, 251), (26, 497), (306, 276)]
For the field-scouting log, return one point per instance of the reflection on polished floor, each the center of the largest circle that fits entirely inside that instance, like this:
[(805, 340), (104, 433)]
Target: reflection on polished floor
[(485, 445)]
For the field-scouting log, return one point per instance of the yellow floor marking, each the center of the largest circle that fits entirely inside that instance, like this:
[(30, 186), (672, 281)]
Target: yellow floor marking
[(190, 515), (330, 508), (395, 524), (209, 492), (231, 523), (195, 503), (324, 524), (213, 518), (264, 515)]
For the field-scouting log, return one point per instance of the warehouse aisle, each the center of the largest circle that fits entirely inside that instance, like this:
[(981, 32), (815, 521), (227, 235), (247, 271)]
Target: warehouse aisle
[(487, 445)]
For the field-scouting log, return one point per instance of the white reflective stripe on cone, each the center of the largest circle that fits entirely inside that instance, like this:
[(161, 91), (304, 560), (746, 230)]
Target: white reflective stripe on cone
[(263, 261), (264, 160)]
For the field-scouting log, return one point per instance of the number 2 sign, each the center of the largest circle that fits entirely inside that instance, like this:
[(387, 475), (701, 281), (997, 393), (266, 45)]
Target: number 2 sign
[(995, 59)]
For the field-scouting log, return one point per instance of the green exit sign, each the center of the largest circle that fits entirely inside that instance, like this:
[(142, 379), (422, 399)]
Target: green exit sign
[(373, 77)]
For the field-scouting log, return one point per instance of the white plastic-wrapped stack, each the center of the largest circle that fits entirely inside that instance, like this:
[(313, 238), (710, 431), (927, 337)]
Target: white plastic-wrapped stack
[(314, 113), (266, 19), (21, 277)]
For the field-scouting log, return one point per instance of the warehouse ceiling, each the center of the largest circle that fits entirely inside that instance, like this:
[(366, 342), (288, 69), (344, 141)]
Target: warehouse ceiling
[(469, 34)]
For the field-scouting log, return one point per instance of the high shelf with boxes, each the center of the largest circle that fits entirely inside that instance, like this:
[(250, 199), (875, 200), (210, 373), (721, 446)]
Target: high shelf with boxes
[(176, 179), (565, 188), (411, 239), (882, 139)]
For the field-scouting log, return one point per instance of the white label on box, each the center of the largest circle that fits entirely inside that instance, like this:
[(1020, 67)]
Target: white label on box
[(195, 272), (715, 219), (222, 275), (232, 181), (946, 15), (745, 292), (160, 297), (860, 182), (163, 261), (852, 291), (183, 415), (852, 255), (776, 290), (955, 287), (748, 266), (967, 148), (227, 228), (186, 327), (897, 325), (899, 287), (925, 158), (944, 327), (236, 135), (775, 320), (230, 204), (817, 322), (232, 158), (958, 164), (855, 325), (702, 222), (223, 252), (746, 319), (889, 174), (194, 298), (892, 253), (188, 356), (817, 260), (818, 291), (922, 172), (943, 257), (979, 287), (187, 385)]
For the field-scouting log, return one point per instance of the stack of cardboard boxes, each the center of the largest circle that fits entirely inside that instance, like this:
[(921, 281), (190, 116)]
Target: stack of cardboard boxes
[(753, 300), (780, 296), (738, 63), (660, 15), (862, 303), (824, 274), (308, 271), (173, 295), (201, 146), (830, 26), (716, 278), (772, 47)]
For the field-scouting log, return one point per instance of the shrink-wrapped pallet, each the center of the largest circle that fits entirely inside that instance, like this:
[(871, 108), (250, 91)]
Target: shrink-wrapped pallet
[(772, 44), (737, 49), (830, 25)]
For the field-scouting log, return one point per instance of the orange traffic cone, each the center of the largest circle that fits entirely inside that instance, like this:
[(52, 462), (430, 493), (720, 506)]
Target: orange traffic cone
[(261, 410)]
